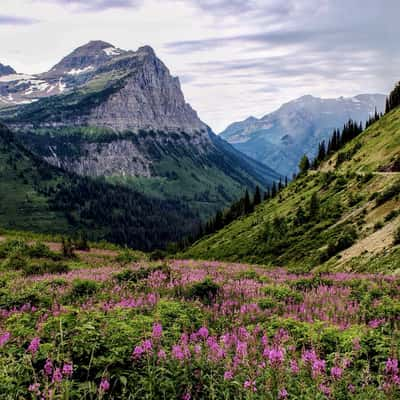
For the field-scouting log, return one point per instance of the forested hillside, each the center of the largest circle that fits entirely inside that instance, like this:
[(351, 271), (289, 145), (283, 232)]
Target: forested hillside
[(37, 197), (343, 215)]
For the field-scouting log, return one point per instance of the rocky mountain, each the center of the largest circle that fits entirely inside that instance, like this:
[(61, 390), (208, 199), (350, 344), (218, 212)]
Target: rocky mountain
[(106, 112), (280, 139), (6, 70)]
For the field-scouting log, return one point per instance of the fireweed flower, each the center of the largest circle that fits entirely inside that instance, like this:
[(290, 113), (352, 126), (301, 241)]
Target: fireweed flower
[(250, 385), (203, 332), (34, 388), (57, 375), (318, 368), (228, 375), (4, 338), (67, 369), (48, 367), (34, 346), (147, 346), (325, 389), (104, 385), (157, 331), (275, 356), (283, 393), (137, 352), (161, 354), (294, 367), (336, 372), (392, 366)]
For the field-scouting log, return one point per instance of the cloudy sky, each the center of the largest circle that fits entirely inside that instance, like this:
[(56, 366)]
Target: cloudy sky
[(235, 58)]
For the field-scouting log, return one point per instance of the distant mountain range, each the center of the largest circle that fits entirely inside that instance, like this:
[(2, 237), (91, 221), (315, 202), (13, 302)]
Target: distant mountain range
[(280, 139), (105, 112)]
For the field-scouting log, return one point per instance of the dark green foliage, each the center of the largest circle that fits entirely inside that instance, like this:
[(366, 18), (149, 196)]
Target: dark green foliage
[(81, 242), (257, 197), (378, 225), (137, 275), (393, 100), (392, 215), (126, 257), (396, 236), (60, 202), (388, 194), (205, 291), (304, 165), (45, 267), (83, 287), (345, 240), (314, 206), (343, 156), (283, 293), (67, 248)]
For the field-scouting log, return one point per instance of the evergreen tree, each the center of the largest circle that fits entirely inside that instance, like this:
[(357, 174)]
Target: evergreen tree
[(257, 197), (247, 203), (304, 165), (273, 190), (321, 151), (314, 206)]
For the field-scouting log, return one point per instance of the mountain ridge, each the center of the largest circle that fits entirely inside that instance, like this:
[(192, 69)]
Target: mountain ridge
[(279, 139)]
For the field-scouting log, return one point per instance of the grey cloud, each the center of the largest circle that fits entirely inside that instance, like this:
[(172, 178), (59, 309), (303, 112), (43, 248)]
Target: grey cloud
[(97, 5), (16, 20)]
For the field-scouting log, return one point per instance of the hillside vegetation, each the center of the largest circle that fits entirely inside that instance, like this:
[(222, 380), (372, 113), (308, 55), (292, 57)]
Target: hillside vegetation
[(107, 324), (37, 197), (343, 216)]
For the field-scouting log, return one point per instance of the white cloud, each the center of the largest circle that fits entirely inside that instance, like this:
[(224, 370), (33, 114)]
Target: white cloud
[(237, 58)]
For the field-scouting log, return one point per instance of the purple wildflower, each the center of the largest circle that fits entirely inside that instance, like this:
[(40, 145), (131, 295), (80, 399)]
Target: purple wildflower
[(34, 346)]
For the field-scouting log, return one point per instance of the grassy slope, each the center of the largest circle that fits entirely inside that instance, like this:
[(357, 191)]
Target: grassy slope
[(345, 202)]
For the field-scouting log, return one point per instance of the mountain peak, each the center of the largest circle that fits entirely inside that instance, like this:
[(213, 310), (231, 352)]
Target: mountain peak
[(146, 50), (86, 58), (6, 70)]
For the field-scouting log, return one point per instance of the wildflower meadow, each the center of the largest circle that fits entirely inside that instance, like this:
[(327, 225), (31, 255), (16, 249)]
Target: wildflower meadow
[(198, 330)]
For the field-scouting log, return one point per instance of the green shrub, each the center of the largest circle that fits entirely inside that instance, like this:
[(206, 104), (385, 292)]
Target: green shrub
[(392, 215), (388, 194), (13, 246), (267, 303), (205, 291), (137, 275), (396, 236), (45, 267), (345, 240), (126, 257), (84, 287), (378, 225), (283, 293), (14, 262), (40, 250)]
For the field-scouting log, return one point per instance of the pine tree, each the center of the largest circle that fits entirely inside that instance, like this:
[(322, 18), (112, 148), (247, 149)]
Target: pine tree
[(314, 206), (273, 190), (304, 165), (257, 197), (247, 203)]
